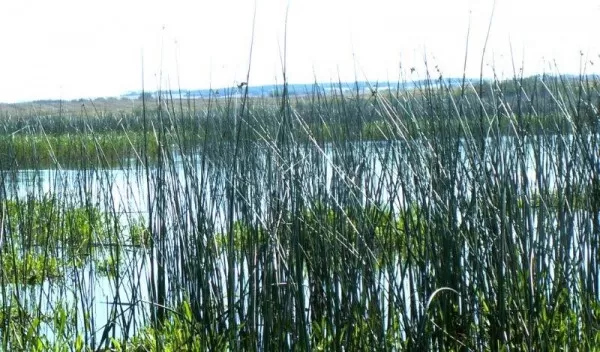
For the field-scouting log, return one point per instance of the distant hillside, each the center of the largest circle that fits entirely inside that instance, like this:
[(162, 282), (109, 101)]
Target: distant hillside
[(293, 89)]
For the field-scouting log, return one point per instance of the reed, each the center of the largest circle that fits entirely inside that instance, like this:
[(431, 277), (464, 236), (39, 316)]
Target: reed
[(442, 217)]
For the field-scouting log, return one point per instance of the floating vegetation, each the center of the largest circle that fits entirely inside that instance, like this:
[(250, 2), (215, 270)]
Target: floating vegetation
[(71, 233), (107, 266), (32, 269)]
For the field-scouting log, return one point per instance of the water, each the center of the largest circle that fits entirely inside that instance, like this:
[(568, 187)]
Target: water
[(390, 172)]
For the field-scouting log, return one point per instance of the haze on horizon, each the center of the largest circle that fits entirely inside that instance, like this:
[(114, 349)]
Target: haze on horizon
[(67, 49)]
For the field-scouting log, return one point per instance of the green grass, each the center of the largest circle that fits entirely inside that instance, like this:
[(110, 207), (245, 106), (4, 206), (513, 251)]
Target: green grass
[(53, 226), (438, 218), (71, 150), (31, 269)]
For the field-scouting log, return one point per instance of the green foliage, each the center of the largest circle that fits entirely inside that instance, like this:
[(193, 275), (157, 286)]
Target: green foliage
[(31, 268), (107, 266), (244, 237), (49, 224), (24, 325), (79, 150), (578, 200), (139, 235), (46, 236), (178, 333)]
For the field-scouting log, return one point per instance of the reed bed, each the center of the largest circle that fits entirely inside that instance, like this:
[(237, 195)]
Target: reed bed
[(442, 218)]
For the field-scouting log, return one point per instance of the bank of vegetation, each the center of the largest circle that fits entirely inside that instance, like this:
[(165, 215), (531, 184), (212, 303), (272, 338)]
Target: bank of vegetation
[(442, 217)]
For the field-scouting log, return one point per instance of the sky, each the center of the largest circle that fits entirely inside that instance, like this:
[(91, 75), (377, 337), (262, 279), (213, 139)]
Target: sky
[(67, 49)]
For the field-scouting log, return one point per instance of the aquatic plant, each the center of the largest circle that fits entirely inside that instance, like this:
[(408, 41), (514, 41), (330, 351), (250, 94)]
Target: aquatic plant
[(441, 217)]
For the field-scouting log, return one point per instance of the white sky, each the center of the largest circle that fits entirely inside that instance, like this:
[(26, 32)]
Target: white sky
[(79, 48)]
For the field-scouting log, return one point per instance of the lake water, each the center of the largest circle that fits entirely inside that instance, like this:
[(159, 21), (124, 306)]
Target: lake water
[(385, 171)]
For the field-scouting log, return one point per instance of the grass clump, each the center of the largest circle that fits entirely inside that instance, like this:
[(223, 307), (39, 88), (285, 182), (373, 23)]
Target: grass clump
[(139, 235), (46, 223), (108, 266), (31, 268), (72, 150)]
